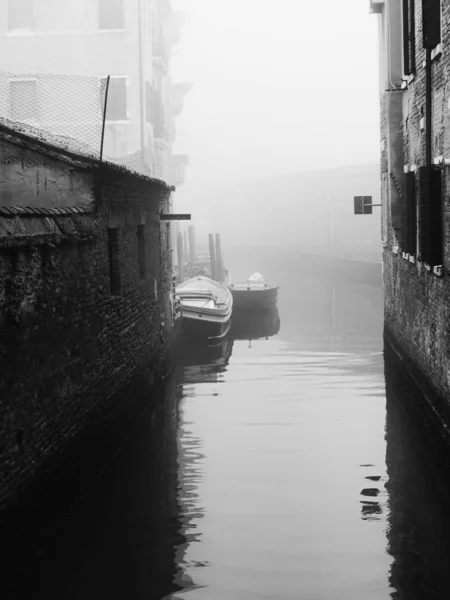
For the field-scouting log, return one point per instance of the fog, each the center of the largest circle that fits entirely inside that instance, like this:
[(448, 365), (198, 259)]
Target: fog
[(280, 90), (278, 87)]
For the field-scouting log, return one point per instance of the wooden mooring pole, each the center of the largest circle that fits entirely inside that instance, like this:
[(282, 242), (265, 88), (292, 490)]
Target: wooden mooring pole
[(185, 246), (192, 248), (180, 255), (212, 255), (219, 261)]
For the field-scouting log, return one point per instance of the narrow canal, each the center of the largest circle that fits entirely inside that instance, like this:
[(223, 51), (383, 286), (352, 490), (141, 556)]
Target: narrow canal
[(278, 468)]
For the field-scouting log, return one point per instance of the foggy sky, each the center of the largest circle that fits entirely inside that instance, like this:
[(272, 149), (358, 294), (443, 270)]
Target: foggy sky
[(279, 86)]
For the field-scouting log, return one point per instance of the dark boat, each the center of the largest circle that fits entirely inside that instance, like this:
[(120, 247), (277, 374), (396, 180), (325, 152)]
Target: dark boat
[(255, 294), (206, 308), (255, 325)]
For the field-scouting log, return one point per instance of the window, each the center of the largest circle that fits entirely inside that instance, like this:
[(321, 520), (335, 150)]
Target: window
[(141, 250), (409, 37), (20, 14), (23, 100), (110, 14), (431, 17), (430, 215), (411, 214), (116, 108), (114, 261)]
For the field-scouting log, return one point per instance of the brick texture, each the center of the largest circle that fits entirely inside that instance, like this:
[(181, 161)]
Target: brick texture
[(417, 305), (68, 346)]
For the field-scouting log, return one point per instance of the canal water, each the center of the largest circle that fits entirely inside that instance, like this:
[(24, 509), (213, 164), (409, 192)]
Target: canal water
[(282, 464)]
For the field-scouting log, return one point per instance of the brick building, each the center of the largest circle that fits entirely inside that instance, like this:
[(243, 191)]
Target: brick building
[(130, 40), (414, 38), (85, 301)]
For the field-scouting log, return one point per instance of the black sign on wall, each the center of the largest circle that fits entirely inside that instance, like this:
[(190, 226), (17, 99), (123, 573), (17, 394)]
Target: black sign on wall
[(363, 205), (174, 217)]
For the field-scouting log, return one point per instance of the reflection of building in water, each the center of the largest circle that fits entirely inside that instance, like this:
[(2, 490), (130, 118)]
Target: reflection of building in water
[(339, 312), (251, 325), (124, 539), (418, 530)]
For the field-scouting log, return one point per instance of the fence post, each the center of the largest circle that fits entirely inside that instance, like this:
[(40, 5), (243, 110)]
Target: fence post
[(105, 106)]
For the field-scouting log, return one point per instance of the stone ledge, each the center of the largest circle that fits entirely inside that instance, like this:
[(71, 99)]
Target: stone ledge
[(27, 211), (22, 228)]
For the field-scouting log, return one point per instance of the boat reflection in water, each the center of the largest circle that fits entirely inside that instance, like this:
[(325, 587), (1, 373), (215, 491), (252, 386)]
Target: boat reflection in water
[(246, 325), (204, 361)]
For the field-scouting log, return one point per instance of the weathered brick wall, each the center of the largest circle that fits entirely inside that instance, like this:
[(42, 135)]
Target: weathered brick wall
[(417, 301), (68, 346)]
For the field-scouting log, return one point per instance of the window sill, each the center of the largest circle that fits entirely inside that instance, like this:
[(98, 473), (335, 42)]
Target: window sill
[(117, 122), (100, 30), (437, 52), (437, 270), (408, 79)]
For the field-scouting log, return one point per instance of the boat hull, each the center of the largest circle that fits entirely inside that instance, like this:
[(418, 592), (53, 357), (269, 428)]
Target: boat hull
[(197, 327), (206, 308), (254, 299)]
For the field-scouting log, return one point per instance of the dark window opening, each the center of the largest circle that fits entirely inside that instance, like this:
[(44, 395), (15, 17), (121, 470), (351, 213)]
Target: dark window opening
[(430, 215), (411, 214), (116, 108), (110, 14), (46, 256), (409, 37), (141, 251), (23, 104), (114, 261), (431, 19), (20, 14)]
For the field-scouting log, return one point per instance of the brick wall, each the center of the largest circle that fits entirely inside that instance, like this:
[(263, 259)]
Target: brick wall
[(417, 297), (70, 344)]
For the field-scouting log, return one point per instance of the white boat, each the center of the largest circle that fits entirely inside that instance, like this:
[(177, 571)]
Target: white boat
[(255, 294), (206, 308)]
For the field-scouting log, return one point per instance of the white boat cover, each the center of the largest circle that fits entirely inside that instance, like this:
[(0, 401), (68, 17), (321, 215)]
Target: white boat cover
[(256, 278)]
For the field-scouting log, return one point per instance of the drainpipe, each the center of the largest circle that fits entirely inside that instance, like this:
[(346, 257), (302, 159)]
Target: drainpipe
[(141, 82), (428, 108)]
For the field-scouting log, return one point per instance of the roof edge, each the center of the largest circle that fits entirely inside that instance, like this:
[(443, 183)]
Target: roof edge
[(85, 163)]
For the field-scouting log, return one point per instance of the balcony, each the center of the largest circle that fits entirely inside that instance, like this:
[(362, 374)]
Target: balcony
[(161, 132), (178, 92), (161, 55), (179, 163)]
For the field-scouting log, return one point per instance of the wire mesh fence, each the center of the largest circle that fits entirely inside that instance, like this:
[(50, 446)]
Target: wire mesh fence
[(62, 110)]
